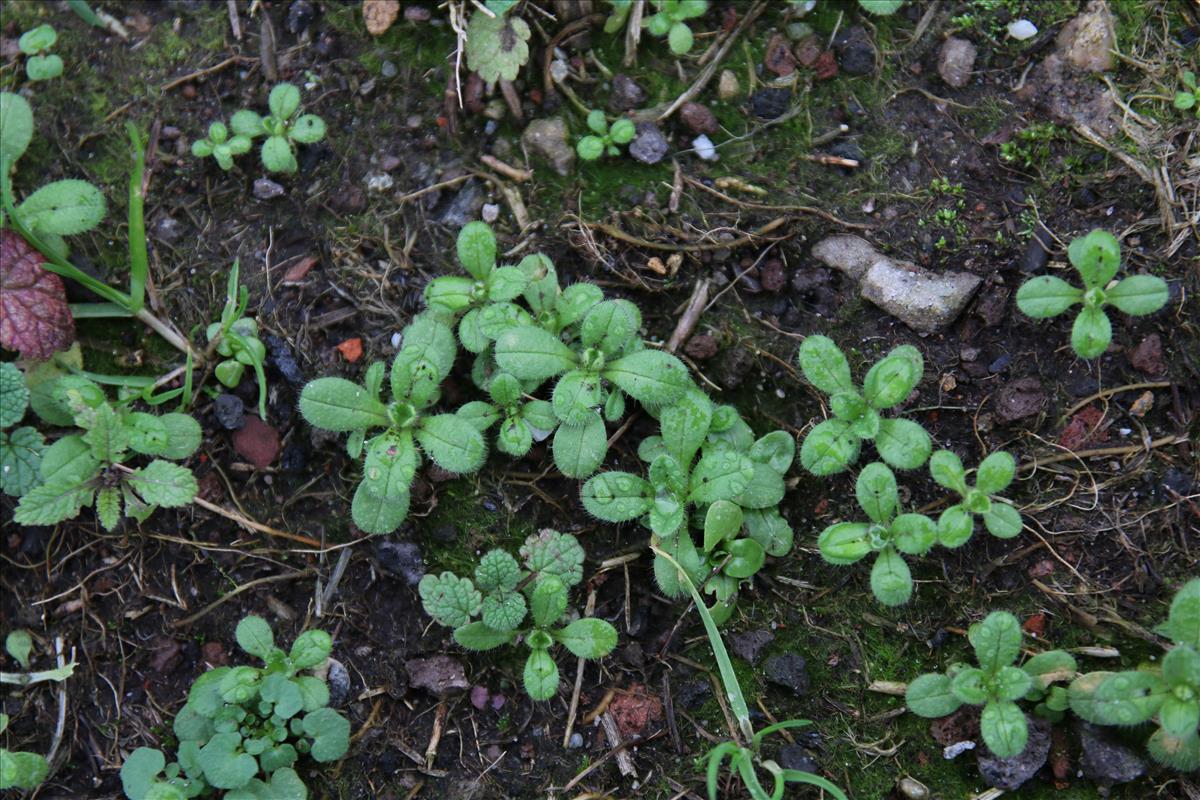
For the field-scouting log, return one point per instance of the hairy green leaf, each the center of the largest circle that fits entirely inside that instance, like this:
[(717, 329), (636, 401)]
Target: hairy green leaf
[(453, 443), (449, 599), (902, 443), (336, 404), (1047, 296), (65, 207), (829, 447), (931, 696), (579, 450), (875, 490), (476, 247), (161, 483), (845, 542), (1096, 256), (616, 496), (891, 580), (652, 377), (541, 675), (532, 354), (1004, 728), (588, 638), (996, 640), (1139, 295)]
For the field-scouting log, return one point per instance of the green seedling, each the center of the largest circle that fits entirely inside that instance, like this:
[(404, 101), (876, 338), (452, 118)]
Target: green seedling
[(497, 44), (833, 445), (20, 769), (1096, 257), (282, 128), (40, 63), (1166, 693), (882, 8), (670, 20), (391, 458), (705, 468), (888, 534), (235, 337), (244, 728), (996, 684), (521, 420), (1188, 98), (744, 749), (995, 473), (20, 448), (221, 146), (604, 139), (82, 469), (503, 595)]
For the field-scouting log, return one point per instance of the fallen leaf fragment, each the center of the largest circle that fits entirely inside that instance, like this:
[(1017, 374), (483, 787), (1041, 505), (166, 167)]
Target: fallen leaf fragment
[(299, 271), (34, 317), (1143, 404), (379, 15), (351, 349), (634, 710)]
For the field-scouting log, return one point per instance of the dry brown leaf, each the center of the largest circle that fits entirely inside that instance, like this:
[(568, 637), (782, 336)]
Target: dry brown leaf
[(379, 15)]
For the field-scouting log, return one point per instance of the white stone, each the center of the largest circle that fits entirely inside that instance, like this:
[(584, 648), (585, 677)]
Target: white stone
[(1022, 29), (704, 148)]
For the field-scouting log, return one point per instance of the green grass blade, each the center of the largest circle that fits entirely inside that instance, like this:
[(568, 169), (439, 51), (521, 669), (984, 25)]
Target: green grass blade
[(796, 776), (99, 311), (139, 267)]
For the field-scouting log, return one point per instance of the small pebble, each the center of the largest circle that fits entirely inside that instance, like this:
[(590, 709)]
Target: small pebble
[(575, 742), (387, 69), (379, 182), (266, 189), (490, 212), (1022, 29), (704, 147), (230, 411)]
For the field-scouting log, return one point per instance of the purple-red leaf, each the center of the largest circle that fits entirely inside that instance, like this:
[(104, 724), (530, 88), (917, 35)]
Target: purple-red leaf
[(34, 317)]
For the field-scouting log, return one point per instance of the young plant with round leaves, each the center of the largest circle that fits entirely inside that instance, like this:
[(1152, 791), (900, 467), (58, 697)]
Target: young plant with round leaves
[(1096, 257), (283, 128), (221, 146), (705, 469), (670, 20), (888, 534), (604, 139), (1166, 693), (833, 445), (1188, 98), (244, 728), (497, 44), (20, 448), (995, 473), (503, 595), (82, 469), (235, 338), (40, 63), (997, 683), (392, 457)]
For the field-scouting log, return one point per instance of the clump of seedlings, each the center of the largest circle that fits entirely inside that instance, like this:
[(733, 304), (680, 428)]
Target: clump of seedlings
[(604, 139), (281, 130)]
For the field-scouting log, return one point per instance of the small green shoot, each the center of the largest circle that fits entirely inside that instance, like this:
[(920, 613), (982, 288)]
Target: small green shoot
[(221, 146), (995, 473), (1189, 97), (235, 337), (670, 20), (40, 63), (604, 139), (283, 129)]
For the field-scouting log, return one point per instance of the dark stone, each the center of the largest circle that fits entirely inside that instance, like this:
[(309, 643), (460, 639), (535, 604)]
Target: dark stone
[(294, 459), (692, 694), (992, 304), (1018, 399), (33, 540), (625, 95), (701, 347), (1037, 252), (772, 275), (229, 411), (284, 360), (793, 756), (770, 103), (1104, 759), (401, 559), (855, 51), (789, 671), (311, 155), (464, 206), (339, 683), (747, 646), (1000, 364), (257, 442), (300, 15), (649, 146), (266, 189), (699, 118), (1010, 774), (1147, 357), (348, 199)]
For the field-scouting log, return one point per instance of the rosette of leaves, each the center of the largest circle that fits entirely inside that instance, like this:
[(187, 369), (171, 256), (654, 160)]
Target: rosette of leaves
[(391, 458), (1096, 257), (20, 448), (604, 139), (60, 208), (82, 469), (670, 20), (244, 728), (221, 146), (996, 684), (1166, 693), (497, 44), (994, 474), (503, 595), (607, 363), (1189, 97), (40, 63), (833, 445), (282, 128), (705, 469), (522, 421), (235, 338), (888, 534)]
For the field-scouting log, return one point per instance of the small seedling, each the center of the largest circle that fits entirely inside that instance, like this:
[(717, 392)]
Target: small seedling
[(1096, 257), (282, 128), (1190, 98), (19, 769), (40, 63), (503, 595), (995, 473), (497, 44), (235, 337), (670, 20), (391, 458), (221, 146), (21, 448), (244, 728), (888, 534), (883, 8), (833, 445), (90, 467), (604, 139), (1167, 692), (521, 421), (996, 684)]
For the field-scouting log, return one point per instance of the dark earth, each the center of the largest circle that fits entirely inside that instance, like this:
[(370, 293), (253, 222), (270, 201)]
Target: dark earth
[(992, 177)]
